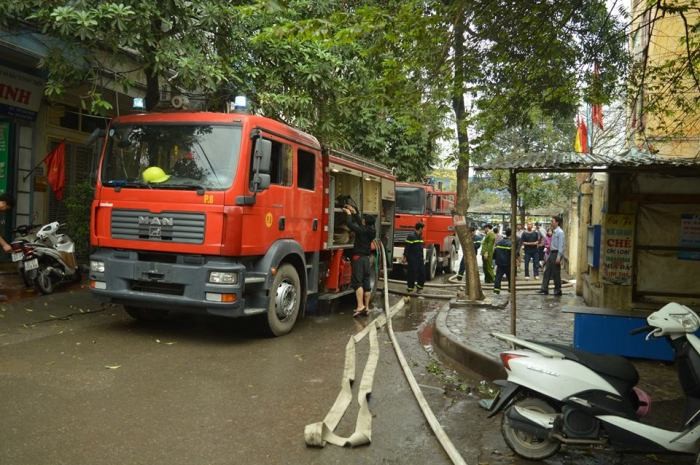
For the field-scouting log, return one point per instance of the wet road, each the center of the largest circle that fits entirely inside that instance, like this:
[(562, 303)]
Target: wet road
[(99, 388)]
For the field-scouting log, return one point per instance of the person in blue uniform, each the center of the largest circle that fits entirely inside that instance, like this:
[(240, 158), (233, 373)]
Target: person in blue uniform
[(413, 255), (501, 254)]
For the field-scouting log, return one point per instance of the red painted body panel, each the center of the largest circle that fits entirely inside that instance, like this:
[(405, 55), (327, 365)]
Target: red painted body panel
[(231, 230)]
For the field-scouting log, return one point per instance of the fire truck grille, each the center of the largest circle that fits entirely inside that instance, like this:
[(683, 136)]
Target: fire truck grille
[(158, 288), (400, 235), (161, 227)]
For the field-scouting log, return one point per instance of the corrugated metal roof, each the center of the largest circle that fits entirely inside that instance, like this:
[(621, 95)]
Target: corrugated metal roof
[(631, 159)]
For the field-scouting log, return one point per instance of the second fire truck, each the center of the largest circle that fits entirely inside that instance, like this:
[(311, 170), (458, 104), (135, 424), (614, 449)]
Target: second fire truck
[(424, 203)]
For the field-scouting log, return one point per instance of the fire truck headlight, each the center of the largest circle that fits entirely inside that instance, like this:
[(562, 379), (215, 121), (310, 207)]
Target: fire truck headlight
[(221, 277), (97, 266)]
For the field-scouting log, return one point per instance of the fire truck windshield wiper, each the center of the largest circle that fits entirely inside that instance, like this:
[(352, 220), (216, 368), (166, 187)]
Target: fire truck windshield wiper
[(198, 187), (119, 183)]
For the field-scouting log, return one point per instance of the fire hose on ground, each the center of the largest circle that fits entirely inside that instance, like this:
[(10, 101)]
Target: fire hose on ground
[(320, 433)]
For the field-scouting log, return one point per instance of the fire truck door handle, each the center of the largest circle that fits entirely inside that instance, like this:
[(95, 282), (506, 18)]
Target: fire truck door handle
[(314, 224), (281, 223)]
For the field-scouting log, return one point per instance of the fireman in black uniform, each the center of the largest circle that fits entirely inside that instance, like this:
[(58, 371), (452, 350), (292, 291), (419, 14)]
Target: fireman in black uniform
[(363, 227), (501, 254), (413, 255)]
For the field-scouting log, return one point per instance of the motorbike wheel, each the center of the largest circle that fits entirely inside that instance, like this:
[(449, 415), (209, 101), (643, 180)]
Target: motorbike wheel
[(44, 282), (26, 279), (524, 443), (145, 314)]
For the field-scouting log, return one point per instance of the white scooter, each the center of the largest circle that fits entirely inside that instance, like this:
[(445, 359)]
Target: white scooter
[(50, 259), (556, 395)]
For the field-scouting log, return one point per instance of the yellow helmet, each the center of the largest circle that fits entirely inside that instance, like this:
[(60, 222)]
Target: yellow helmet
[(155, 175)]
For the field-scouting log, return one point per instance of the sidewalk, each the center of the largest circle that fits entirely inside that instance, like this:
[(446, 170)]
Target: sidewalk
[(463, 333)]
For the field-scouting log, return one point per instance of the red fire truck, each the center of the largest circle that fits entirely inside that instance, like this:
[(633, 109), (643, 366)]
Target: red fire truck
[(228, 214), (422, 202)]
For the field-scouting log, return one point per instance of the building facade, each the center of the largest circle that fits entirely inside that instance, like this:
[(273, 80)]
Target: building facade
[(31, 125)]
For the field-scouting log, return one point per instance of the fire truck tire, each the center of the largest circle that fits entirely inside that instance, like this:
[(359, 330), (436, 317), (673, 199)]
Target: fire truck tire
[(452, 260), (431, 263), (284, 301), (373, 275), (145, 314)]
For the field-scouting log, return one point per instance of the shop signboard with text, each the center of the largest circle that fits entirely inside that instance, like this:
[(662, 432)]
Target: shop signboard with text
[(618, 246), (20, 94)]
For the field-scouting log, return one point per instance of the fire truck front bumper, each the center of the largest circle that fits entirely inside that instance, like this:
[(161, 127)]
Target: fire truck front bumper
[(174, 282)]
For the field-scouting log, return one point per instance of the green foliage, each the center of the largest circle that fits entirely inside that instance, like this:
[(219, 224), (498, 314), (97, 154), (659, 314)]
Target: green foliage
[(342, 72), (172, 39), (539, 135), (77, 204)]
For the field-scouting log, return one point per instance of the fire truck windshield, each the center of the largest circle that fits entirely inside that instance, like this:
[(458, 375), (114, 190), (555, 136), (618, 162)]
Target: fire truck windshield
[(171, 156), (410, 200)]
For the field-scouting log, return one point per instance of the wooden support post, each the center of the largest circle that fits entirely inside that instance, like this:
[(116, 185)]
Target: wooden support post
[(514, 247)]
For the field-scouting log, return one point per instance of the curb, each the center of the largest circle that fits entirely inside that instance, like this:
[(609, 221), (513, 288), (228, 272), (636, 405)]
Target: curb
[(470, 358)]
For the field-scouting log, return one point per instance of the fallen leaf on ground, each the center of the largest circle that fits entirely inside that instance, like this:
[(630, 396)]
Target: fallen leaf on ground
[(113, 367)]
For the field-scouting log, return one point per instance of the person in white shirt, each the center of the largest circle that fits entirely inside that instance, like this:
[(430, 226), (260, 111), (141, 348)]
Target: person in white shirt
[(540, 246), (557, 251)]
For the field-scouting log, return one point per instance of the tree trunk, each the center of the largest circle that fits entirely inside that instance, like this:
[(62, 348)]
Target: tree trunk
[(474, 291), (152, 89)]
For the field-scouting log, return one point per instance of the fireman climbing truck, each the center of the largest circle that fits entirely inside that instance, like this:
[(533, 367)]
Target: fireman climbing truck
[(227, 214), (423, 203)]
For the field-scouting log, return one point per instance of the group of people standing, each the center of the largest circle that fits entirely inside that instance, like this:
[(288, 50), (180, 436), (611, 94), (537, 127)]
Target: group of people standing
[(540, 247)]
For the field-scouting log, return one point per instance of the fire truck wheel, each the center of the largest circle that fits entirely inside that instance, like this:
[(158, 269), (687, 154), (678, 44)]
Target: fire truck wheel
[(284, 301), (431, 263), (452, 261)]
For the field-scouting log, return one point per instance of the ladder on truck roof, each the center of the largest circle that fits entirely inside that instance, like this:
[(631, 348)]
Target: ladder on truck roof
[(358, 159)]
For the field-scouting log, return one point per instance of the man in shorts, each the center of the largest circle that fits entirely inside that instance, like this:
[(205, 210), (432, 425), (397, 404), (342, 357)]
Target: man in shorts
[(363, 227)]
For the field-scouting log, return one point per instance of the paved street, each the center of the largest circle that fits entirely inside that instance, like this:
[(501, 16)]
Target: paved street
[(85, 384), (99, 388)]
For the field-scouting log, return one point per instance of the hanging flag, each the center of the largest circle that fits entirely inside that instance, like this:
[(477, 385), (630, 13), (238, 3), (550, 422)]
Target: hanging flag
[(56, 169), (581, 142), (597, 115), (597, 110)]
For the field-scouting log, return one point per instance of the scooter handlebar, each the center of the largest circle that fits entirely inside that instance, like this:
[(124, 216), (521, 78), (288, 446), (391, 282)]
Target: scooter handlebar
[(643, 329), (24, 228)]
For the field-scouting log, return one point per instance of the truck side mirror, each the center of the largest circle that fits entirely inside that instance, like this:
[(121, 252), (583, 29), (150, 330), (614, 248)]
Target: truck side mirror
[(263, 182), (263, 154)]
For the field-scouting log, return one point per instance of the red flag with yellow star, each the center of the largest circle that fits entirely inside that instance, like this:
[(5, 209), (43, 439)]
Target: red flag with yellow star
[(56, 169)]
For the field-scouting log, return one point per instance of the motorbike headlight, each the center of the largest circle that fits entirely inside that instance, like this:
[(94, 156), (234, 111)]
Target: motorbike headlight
[(221, 277), (689, 323), (97, 266)]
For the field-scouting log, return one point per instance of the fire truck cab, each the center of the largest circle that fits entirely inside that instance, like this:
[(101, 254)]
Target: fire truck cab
[(416, 202), (228, 214)]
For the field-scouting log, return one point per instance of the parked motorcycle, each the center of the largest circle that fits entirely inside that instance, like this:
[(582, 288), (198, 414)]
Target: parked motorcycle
[(556, 395), (50, 260), (24, 235)]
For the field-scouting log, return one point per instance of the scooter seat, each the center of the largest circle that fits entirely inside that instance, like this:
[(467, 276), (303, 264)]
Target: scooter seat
[(618, 370)]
